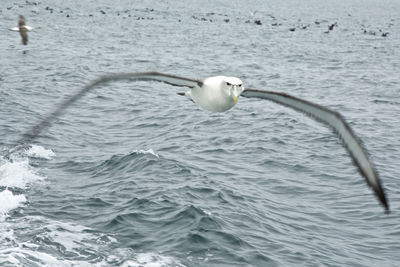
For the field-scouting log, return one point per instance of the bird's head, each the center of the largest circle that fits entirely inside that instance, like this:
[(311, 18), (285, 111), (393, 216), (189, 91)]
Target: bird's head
[(233, 87), (21, 21)]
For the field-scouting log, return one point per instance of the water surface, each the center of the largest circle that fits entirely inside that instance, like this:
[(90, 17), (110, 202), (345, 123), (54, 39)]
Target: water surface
[(135, 175)]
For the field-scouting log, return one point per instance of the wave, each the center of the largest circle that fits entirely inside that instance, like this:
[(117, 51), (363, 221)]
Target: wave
[(30, 240), (55, 243), (36, 151), (133, 160), (17, 175), (18, 172), (9, 201), (148, 259), (144, 152)]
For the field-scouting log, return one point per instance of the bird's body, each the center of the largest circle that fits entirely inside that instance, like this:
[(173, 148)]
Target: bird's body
[(214, 94), (220, 93), (22, 30)]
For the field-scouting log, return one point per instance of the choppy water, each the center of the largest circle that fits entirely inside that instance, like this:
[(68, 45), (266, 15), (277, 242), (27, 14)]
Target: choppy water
[(135, 175)]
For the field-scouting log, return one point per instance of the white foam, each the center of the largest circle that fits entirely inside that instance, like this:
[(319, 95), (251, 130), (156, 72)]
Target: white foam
[(18, 173), (149, 151), (74, 237), (75, 241), (34, 258), (209, 213), (78, 245), (9, 201), (36, 151), (152, 260), (128, 258)]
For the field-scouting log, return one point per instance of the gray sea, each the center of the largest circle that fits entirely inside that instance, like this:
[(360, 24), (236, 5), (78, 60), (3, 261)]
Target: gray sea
[(135, 175)]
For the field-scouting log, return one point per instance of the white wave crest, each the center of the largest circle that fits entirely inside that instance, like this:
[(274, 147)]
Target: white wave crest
[(149, 151), (74, 241), (36, 151), (128, 258), (58, 243), (15, 174), (9, 201), (18, 173), (152, 260)]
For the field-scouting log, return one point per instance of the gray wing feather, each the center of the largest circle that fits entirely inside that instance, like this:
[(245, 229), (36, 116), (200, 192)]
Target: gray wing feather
[(35, 131), (335, 121)]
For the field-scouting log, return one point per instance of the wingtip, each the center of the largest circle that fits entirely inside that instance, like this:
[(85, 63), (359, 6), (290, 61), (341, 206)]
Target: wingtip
[(387, 211), (387, 208), (383, 199)]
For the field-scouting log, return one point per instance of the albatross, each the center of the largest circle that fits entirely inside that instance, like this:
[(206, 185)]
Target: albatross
[(221, 93), (22, 29)]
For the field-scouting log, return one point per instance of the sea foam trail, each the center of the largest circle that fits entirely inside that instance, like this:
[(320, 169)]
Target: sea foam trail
[(151, 260), (9, 201), (81, 245), (36, 151), (18, 173), (68, 244)]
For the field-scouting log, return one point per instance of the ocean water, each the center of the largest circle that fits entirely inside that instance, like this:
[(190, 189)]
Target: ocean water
[(135, 175)]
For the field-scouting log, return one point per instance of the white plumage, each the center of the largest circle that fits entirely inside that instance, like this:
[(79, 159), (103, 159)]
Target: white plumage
[(217, 94), (16, 29)]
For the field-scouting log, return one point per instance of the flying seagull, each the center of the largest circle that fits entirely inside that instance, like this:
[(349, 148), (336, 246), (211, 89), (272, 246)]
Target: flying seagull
[(220, 93), (22, 29)]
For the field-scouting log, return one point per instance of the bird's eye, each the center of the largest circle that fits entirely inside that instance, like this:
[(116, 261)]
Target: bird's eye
[(240, 85), (228, 84)]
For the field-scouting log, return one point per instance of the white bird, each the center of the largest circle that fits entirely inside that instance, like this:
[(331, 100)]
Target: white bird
[(220, 93), (216, 94)]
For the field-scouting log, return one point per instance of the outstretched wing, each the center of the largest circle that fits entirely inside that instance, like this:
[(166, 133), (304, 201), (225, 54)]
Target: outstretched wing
[(29, 28), (34, 132), (335, 121), (16, 29)]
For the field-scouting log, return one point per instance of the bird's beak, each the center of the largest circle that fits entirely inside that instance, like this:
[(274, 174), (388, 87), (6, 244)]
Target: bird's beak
[(236, 93)]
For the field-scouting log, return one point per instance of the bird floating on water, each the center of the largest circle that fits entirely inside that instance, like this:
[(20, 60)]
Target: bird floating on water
[(22, 29), (220, 93)]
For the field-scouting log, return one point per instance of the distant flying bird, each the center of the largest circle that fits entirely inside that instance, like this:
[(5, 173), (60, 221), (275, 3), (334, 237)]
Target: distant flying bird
[(220, 93), (23, 29)]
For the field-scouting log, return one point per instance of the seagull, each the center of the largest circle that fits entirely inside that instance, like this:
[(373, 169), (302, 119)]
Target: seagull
[(221, 93), (22, 29)]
